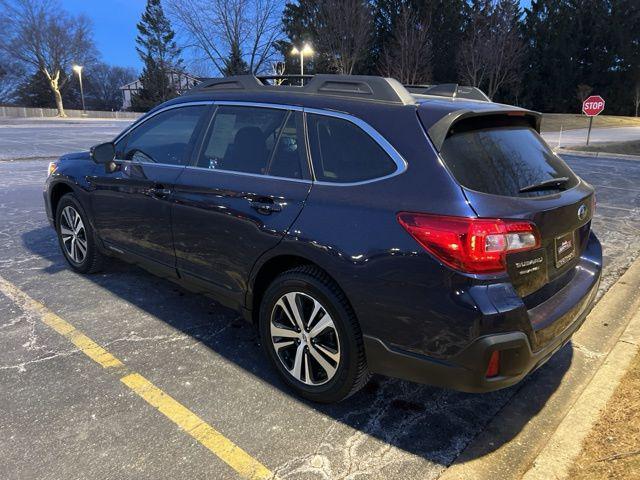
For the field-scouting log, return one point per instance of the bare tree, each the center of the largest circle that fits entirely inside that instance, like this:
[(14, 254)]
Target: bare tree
[(474, 50), (228, 32), (103, 85), (407, 56), (11, 74), (492, 51), (278, 68), (344, 32), (39, 34)]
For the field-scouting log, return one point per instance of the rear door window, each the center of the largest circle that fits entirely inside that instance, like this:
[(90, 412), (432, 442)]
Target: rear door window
[(503, 160), (344, 153), (242, 139), (289, 155)]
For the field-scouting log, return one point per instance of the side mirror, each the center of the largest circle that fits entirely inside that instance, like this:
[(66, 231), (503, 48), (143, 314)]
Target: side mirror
[(103, 153)]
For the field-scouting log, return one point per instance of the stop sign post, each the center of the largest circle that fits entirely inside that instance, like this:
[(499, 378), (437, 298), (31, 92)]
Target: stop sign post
[(591, 107)]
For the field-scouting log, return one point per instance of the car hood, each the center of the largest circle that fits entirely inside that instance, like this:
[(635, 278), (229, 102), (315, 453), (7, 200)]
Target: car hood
[(76, 156)]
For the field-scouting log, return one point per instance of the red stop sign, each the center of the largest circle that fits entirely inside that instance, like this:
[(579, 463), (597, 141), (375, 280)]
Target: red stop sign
[(593, 105)]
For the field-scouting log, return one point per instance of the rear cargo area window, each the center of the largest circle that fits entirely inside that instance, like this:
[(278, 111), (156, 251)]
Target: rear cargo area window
[(342, 152), (503, 160)]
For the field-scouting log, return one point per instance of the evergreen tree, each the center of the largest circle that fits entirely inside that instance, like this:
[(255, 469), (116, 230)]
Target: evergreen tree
[(235, 64), (35, 92), (624, 91), (300, 23), (161, 56), (550, 50), (447, 21), (581, 42), (567, 43)]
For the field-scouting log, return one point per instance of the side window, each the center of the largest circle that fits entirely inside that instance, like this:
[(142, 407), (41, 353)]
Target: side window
[(342, 152), (165, 138), (289, 154), (242, 139)]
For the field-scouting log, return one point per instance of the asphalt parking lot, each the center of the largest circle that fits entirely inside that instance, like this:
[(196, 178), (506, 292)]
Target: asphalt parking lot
[(65, 416)]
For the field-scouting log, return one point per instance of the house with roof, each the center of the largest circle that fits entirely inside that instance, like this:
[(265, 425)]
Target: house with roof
[(179, 80)]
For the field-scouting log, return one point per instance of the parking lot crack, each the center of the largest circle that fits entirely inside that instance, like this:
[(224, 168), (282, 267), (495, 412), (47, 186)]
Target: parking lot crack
[(185, 335), (590, 354), (22, 366)]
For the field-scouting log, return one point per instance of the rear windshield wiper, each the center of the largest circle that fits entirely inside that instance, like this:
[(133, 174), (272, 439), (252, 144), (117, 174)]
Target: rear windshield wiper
[(550, 184)]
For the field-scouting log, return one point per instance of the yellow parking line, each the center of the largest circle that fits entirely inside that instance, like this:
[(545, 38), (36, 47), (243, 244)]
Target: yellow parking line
[(87, 346), (205, 434), (208, 436)]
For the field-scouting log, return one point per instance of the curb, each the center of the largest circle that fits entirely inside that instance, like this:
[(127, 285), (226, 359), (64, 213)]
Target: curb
[(550, 413), (556, 459), (620, 156)]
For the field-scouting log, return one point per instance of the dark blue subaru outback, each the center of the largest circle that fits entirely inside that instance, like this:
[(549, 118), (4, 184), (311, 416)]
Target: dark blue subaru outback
[(424, 233)]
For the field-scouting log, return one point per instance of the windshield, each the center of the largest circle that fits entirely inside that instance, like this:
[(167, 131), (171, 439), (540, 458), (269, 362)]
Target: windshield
[(504, 160)]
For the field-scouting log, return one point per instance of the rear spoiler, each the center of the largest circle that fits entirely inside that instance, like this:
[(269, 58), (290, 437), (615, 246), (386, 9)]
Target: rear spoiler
[(439, 130), (449, 90)]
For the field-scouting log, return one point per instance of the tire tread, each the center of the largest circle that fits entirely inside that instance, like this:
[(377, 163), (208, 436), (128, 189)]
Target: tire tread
[(362, 372)]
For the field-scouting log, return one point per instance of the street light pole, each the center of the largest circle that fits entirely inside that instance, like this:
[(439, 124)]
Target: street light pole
[(302, 62), (78, 70), (305, 49)]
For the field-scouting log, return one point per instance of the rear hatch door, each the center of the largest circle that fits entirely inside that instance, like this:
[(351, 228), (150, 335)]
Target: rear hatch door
[(506, 170)]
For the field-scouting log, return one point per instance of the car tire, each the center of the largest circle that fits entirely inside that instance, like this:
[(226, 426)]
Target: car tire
[(76, 237), (324, 361)]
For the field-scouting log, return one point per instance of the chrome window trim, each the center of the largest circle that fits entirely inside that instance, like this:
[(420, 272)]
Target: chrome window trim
[(245, 174), (401, 163), (119, 161)]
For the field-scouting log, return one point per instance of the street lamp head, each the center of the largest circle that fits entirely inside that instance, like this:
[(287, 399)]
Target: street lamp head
[(307, 50), (295, 51), (77, 68)]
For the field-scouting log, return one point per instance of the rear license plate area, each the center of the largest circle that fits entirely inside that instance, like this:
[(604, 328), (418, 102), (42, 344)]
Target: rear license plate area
[(564, 248)]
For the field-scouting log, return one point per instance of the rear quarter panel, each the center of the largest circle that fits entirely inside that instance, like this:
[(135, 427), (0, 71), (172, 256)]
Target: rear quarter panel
[(398, 291)]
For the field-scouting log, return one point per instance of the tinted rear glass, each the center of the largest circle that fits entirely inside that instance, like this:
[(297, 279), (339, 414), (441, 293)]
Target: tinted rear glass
[(503, 160), (242, 139), (342, 152)]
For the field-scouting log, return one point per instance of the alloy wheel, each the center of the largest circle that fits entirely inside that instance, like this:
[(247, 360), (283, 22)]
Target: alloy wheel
[(73, 234), (305, 338)]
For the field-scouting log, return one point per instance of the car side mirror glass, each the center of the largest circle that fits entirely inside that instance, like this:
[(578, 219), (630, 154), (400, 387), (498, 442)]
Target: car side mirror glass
[(103, 153)]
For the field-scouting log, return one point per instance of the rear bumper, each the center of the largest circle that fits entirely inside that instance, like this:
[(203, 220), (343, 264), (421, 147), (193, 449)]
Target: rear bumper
[(553, 322)]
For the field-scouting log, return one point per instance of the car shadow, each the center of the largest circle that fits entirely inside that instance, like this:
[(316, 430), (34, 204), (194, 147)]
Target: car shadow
[(430, 422)]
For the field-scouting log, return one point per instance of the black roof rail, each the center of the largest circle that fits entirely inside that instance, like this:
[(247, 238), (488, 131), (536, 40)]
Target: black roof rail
[(265, 78), (353, 86), (450, 90)]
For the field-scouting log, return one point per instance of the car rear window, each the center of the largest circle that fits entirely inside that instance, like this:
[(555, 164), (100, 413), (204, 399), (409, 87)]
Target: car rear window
[(342, 152), (503, 160)]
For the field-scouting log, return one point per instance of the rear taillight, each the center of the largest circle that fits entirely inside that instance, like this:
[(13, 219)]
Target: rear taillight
[(471, 245)]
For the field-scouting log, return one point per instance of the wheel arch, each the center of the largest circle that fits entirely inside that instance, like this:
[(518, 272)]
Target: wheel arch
[(268, 269), (57, 192)]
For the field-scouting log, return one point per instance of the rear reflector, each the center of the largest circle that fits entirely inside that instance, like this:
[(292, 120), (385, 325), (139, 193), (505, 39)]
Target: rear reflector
[(471, 245), (493, 369)]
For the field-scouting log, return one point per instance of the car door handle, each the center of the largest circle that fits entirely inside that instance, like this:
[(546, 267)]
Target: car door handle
[(159, 191), (265, 206)]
